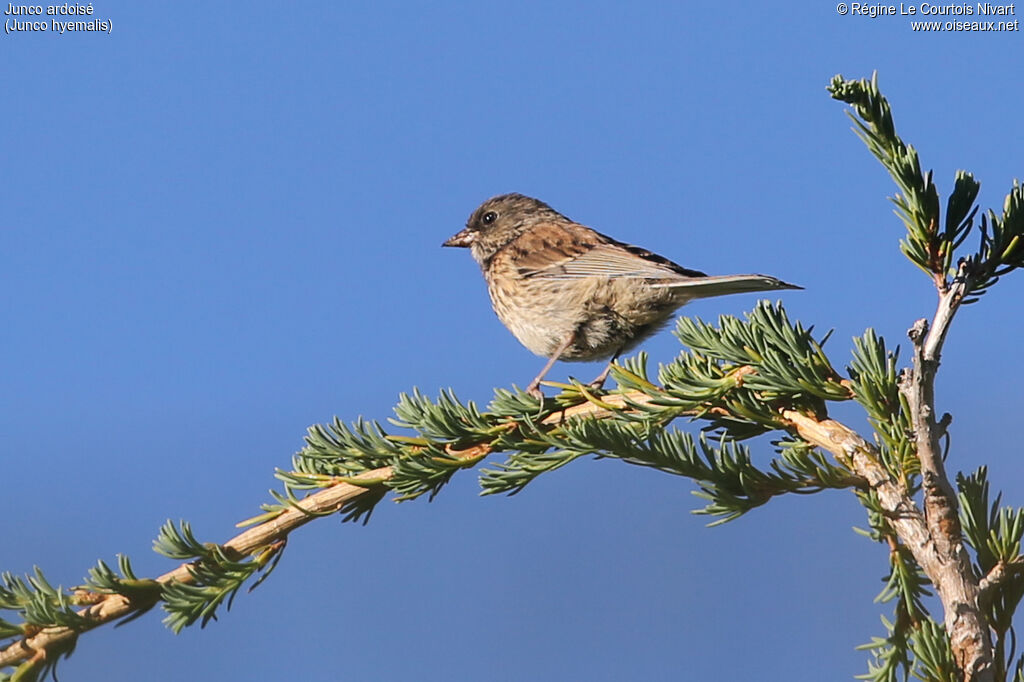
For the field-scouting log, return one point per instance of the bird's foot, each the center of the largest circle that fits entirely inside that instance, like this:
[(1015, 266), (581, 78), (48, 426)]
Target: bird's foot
[(598, 383), (534, 390)]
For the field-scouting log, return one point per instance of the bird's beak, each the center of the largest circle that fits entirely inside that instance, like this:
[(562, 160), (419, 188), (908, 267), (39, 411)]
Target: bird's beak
[(463, 238)]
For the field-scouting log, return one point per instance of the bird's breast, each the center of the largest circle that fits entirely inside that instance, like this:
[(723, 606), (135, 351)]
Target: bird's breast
[(603, 314)]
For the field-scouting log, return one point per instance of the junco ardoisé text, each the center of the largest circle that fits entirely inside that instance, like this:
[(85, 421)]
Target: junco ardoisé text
[(568, 292)]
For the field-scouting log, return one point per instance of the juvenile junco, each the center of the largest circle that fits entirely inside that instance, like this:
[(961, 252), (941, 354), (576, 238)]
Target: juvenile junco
[(569, 292)]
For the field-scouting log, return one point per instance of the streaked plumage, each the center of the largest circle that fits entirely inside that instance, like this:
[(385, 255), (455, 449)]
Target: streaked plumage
[(569, 292)]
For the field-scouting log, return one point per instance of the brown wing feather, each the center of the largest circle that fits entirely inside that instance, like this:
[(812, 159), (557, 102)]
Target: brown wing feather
[(573, 251), (549, 246)]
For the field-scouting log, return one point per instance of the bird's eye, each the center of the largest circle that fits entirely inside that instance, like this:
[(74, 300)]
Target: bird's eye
[(490, 217)]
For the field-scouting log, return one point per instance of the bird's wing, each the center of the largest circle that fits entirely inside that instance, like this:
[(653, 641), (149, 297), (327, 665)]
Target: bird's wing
[(574, 251)]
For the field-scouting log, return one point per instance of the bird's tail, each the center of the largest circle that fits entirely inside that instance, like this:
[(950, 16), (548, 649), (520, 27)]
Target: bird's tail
[(722, 285)]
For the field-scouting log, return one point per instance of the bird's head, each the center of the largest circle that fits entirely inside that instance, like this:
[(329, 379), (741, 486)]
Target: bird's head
[(498, 221)]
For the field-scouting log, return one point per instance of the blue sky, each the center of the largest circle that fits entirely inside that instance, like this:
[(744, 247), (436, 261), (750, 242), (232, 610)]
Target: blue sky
[(223, 224)]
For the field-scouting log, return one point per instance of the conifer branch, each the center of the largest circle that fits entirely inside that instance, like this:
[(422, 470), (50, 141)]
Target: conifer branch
[(112, 607), (932, 247), (337, 495), (334, 496)]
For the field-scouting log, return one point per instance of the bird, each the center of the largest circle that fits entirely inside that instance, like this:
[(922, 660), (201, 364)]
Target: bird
[(568, 292)]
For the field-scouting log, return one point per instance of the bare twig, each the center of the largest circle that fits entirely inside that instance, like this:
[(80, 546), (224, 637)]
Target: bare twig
[(954, 576), (852, 450), (999, 573)]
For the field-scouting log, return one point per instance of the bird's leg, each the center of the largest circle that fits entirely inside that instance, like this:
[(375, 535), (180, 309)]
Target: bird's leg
[(534, 387), (599, 381)]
